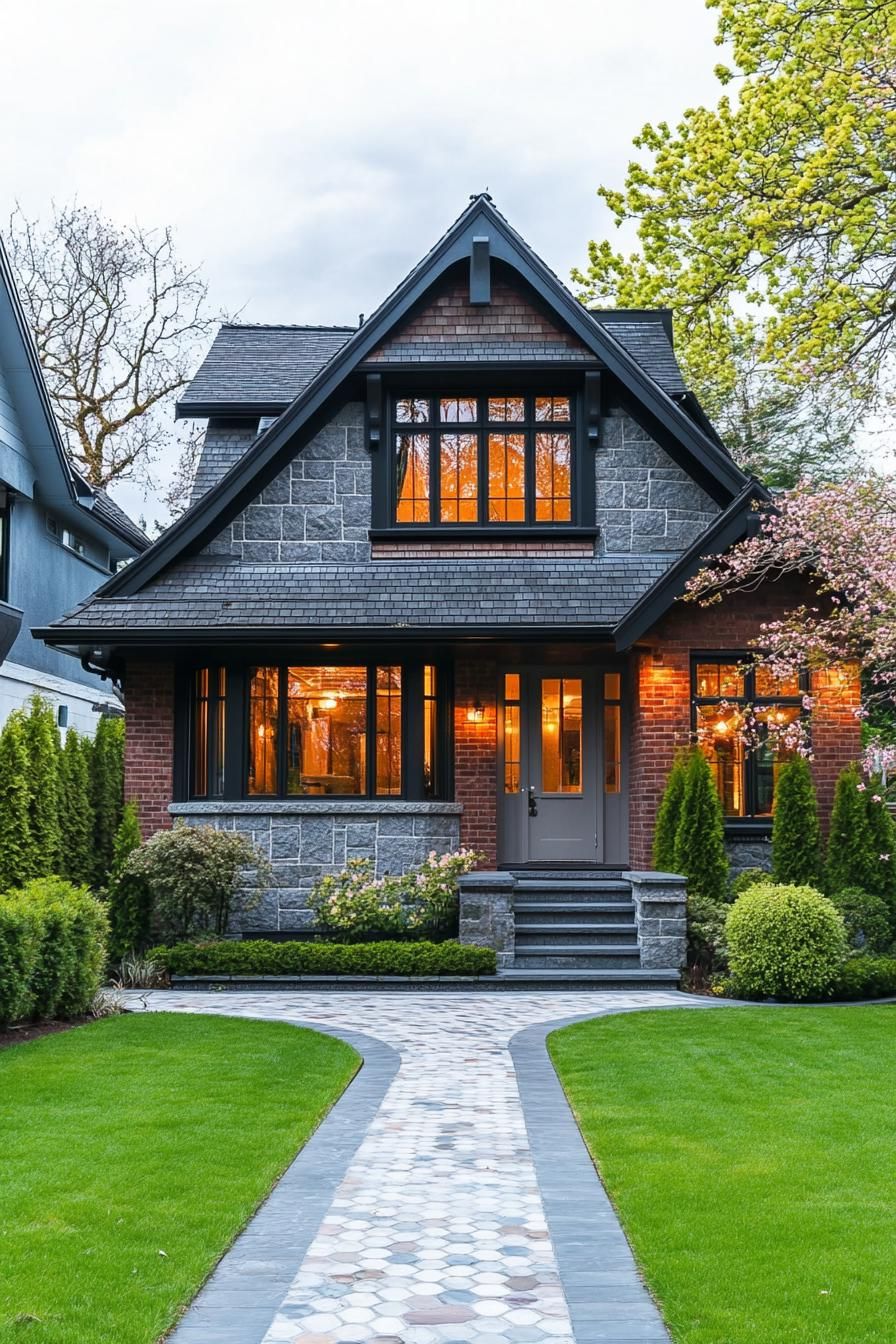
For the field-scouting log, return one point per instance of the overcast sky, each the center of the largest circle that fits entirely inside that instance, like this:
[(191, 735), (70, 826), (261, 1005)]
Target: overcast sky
[(307, 154)]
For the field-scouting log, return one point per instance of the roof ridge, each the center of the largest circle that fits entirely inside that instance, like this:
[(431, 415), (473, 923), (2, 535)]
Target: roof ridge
[(284, 326)]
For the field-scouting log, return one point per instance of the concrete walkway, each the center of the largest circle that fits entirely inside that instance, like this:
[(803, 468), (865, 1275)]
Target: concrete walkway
[(447, 1198)]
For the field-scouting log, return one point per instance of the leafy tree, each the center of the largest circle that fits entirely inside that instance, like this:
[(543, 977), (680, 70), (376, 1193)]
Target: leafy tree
[(768, 225), (75, 811), (129, 899), (107, 793), (669, 815), (796, 830), (45, 786), (16, 846), (852, 853), (700, 835)]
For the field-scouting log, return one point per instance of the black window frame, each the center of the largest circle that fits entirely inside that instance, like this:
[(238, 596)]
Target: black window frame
[(495, 387), (236, 734), (5, 541), (752, 822)]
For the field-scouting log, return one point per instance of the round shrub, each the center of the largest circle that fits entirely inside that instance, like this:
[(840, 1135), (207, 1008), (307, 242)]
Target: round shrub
[(749, 878), (866, 917), (785, 942)]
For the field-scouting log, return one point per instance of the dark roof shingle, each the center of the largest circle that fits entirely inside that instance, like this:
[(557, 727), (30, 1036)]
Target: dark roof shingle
[(259, 367)]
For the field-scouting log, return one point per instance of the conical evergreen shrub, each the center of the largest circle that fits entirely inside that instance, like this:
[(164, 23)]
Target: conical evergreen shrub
[(16, 847), (106, 791), (129, 898), (852, 859), (76, 812), (669, 815), (883, 838), (700, 837), (796, 830), (45, 791)]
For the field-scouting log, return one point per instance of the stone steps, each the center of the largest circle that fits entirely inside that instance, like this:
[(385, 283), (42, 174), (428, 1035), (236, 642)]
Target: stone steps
[(581, 912), (571, 934), (580, 957)]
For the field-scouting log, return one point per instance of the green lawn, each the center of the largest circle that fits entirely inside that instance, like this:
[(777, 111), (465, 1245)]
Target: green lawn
[(751, 1155), (138, 1135)]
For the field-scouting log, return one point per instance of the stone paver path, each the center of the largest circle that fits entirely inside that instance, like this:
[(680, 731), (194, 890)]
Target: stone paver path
[(436, 1233)]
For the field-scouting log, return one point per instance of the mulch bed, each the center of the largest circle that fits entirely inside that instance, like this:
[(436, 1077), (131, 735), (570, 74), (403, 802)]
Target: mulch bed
[(31, 1031)]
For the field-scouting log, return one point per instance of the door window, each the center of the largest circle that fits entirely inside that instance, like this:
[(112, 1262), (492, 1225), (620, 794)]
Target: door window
[(561, 735)]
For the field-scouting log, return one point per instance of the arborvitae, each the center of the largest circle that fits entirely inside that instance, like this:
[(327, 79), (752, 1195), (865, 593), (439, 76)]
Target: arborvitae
[(45, 785), (883, 839), (16, 847), (76, 812), (129, 900), (106, 791), (853, 856), (700, 837), (796, 830), (669, 815)]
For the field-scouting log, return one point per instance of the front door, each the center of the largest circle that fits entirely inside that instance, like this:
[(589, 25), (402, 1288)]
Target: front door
[(561, 784)]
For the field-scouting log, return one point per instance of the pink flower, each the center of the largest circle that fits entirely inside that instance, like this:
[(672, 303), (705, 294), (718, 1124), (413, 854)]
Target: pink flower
[(861, 787)]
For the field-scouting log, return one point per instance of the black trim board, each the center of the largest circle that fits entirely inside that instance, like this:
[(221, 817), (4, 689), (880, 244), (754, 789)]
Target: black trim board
[(277, 444)]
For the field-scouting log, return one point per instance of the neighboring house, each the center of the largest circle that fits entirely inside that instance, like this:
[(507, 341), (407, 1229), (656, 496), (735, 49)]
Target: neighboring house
[(59, 538), (426, 595)]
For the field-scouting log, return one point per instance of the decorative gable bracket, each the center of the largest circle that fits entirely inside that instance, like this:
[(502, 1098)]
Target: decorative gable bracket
[(374, 411), (480, 270), (592, 408)]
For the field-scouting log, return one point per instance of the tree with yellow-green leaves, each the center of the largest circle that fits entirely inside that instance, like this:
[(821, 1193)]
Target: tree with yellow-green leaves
[(768, 225)]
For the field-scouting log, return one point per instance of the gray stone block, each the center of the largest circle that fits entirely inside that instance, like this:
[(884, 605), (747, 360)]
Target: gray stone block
[(323, 523), (263, 522), (313, 492), (317, 840)]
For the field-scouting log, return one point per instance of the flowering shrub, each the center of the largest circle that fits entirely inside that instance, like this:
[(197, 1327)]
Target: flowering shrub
[(423, 900)]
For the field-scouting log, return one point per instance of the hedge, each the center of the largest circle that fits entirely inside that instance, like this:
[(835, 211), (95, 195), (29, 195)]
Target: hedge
[(865, 977), (52, 950), (259, 957)]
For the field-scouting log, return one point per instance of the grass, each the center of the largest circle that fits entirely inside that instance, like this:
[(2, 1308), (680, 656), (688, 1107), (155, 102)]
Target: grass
[(139, 1135), (751, 1155)]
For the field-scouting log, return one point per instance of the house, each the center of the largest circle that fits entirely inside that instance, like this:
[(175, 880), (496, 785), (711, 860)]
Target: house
[(427, 595), (59, 537)]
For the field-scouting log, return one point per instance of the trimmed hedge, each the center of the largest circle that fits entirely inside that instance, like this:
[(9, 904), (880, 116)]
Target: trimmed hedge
[(865, 977), (259, 957), (52, 950), (785, 942)]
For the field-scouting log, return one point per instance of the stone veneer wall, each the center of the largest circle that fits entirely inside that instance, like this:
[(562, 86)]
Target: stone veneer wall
[(306, 838)]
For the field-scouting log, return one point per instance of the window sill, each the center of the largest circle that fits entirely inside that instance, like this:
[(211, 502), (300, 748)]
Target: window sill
[(295, 806), (747, 828), (499, 532)]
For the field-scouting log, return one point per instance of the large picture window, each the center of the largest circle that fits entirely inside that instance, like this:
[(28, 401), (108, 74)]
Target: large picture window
[(483, 460), (745, 766)]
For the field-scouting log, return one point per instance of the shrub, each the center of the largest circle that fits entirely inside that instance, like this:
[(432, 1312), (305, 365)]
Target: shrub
[(198, 877), (129, 897), (669, 815), (16, 846), (420, 901), (52, 949), (700, 836), (865, 977), (853, 857), (75, 811), (796, 831), (706, 936), (866, 917), (106, 793), (785, 942), (44, 752), (746, 880), (259, 957), (882, 829)]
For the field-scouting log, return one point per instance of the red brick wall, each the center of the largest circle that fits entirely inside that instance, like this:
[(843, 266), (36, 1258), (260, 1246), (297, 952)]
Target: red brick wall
[(149, 742), (476, 756), (661, 712)]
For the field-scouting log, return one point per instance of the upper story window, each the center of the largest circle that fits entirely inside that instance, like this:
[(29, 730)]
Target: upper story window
[(482, 460)]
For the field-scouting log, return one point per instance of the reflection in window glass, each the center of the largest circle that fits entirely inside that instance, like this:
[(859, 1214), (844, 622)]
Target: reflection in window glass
[(457, 410), (430, 732), (552, 408), (507, 408), (220, 743), (768, 685), (200, 733), (326, 730), (459, 476), (553, 478), (511, 732), (768, 759), (412, 410), (388, 730), (612, 748), (506, 478), (722, 679), (412, 478), (612, 685), (263, 705), (719, 737), (561, 735)]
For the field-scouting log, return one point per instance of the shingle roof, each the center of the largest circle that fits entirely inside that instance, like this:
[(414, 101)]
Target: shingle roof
[(210, 592), (114, 516), (259, 367), (645, 337)]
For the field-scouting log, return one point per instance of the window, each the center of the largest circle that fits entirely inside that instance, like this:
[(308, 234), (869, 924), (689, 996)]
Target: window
[(612, 732), (725, 690), (561, 735), (73, 541), (483, 460), (207, 730)]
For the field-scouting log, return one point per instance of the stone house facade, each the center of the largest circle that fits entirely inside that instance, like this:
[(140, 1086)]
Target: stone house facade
[(428, 594)]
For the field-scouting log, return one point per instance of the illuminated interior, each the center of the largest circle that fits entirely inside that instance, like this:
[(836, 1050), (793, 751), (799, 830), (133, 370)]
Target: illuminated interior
[(561, 735), (512, 782)]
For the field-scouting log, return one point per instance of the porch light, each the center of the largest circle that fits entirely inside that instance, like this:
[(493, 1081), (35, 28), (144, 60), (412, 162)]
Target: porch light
[(476, 712)]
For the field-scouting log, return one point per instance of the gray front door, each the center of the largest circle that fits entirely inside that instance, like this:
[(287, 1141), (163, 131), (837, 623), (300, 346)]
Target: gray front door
[(561, 784)]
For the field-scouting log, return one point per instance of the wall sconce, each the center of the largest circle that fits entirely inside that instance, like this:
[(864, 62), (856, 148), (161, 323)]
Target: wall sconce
[(476, 712)]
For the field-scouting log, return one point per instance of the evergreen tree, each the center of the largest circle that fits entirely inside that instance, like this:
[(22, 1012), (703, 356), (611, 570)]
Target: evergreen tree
[(700, 837), (852, 853), (107, 794), (882, 830), (16, 848), (76, 812), (669, 815), (796, 830), (129, 899), (44, 753)]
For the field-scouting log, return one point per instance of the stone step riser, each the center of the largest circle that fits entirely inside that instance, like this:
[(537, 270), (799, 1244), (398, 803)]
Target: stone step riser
[(604, 913), (596, 961), (574, 895), (558, 937)]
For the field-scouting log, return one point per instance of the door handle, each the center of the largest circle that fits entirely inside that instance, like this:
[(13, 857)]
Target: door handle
[(533, 801)]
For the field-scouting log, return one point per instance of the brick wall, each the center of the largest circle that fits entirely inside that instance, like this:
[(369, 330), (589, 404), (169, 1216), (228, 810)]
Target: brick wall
[(476, 756), (661, 713), (149, 742)]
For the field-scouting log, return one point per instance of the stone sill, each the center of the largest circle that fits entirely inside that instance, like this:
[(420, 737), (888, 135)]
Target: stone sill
[(357, 807)]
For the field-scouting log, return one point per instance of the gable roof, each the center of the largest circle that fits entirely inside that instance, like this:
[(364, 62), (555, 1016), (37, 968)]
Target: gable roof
[(647, 336), (706, 460)]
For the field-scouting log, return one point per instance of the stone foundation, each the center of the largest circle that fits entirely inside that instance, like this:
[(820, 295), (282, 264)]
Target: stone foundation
[(661, 916), (305, 838)]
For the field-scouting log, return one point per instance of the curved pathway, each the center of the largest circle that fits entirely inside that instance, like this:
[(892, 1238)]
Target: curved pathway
[(423, 1211)]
